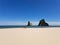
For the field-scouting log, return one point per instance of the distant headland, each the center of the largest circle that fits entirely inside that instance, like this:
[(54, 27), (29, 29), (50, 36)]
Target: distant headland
[(42, 22)]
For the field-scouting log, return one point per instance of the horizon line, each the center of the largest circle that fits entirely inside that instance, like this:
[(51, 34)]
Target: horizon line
[(25, 23)]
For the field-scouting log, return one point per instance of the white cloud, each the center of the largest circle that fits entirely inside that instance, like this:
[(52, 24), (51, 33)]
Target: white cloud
[(50, 23), (25, 23), (54, 23), (12, 23)]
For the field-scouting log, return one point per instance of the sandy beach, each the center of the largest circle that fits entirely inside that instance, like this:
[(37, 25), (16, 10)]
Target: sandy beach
[(30, 36)]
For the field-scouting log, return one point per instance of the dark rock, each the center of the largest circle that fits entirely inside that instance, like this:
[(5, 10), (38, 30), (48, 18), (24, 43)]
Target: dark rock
[(29, 23), (42, 23)]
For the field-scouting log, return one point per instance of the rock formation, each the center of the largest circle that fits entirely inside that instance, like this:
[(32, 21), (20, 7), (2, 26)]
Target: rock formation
[(42, 23), (29, 23)]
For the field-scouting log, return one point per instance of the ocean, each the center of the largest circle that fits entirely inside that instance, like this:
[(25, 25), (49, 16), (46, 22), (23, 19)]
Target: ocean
[(24, 26)]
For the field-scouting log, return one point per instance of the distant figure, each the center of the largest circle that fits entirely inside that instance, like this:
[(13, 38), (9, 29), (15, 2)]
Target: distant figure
[(29, 23), (42, 23)]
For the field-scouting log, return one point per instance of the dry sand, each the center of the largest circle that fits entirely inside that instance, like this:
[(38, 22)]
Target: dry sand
[(30, 36)]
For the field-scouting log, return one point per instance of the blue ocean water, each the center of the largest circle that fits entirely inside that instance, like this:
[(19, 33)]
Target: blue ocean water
[(24, 26)]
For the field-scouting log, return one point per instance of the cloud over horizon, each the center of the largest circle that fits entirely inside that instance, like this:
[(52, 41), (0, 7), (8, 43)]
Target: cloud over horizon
[(25, 23)]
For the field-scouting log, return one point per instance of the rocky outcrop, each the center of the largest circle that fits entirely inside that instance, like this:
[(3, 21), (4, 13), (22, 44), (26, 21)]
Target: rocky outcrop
[(29, 23), (42, 23)]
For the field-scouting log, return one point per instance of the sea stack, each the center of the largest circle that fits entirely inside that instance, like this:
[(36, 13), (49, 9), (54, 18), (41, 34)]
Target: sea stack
[(42, 23), (29, 23)]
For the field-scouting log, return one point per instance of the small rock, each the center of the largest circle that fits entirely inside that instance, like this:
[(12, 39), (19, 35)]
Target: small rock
[(29, 23)]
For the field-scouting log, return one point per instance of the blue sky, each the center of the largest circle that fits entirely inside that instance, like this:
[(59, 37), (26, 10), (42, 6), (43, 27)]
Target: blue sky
[(29, 10)]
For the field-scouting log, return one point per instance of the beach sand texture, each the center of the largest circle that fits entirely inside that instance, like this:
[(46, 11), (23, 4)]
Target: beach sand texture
[(30, 36)]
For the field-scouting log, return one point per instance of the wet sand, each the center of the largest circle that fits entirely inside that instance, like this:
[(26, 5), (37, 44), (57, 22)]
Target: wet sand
[(30, 36)]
